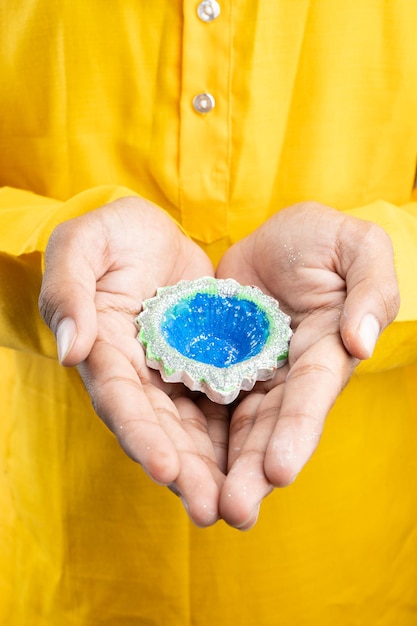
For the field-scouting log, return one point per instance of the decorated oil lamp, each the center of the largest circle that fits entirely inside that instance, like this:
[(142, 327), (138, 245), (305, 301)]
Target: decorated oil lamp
[(214, 336)]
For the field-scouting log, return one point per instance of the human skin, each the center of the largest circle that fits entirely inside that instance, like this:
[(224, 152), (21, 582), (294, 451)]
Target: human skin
[(333, 274)]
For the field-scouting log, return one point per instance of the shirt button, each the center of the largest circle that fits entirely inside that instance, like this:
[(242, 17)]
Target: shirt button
[(208, 10), (203, 103)]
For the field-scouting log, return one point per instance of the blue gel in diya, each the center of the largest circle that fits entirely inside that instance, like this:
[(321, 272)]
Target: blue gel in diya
[(216, 330)]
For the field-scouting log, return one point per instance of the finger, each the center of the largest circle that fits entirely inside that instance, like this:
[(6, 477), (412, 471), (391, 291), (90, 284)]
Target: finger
[(122, 401), (313, 384), (246, 484), (217, 422), (241, 425), (66, 301), (199, 478), (372, 300)]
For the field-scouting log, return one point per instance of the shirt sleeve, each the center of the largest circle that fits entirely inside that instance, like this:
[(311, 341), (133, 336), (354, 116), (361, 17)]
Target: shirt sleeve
[(26, 223)]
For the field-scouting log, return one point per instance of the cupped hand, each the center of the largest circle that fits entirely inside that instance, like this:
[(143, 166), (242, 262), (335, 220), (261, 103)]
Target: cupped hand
[(334, 275), (99, 269)]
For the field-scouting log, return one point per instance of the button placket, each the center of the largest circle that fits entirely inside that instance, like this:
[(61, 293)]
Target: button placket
[(207, 11), (205, 121)]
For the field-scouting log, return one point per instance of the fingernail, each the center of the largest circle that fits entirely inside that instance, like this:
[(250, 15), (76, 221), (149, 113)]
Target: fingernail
[(251, 520), (172, 487), (66, 334), (369, 332)]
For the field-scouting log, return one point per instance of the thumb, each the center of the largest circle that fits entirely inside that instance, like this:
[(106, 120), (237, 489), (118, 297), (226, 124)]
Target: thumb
[(66, 300), (372, 299)]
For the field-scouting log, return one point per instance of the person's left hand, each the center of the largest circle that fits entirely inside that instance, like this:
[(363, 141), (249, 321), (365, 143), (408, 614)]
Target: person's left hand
[(334, 275)]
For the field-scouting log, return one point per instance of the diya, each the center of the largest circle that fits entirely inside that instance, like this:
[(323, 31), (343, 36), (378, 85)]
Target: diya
[(214, 335)]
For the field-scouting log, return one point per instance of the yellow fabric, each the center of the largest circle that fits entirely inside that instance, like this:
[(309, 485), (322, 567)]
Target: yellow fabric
[(315, 99)]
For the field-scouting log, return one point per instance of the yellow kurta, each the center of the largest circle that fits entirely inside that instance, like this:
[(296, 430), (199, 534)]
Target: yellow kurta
[(314, 99)]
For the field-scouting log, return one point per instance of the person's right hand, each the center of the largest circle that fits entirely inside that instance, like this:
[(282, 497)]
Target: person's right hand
[(99, 269), (335, 276)]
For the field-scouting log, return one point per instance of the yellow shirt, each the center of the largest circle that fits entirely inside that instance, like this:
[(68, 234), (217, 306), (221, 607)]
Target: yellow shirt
[(314, 99)]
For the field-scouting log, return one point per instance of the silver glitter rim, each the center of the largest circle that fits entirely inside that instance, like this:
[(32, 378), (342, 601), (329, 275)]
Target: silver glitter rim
[(221, 384)]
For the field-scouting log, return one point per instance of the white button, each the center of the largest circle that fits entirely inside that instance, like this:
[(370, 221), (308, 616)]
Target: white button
[(203, 103), (208, 10)]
